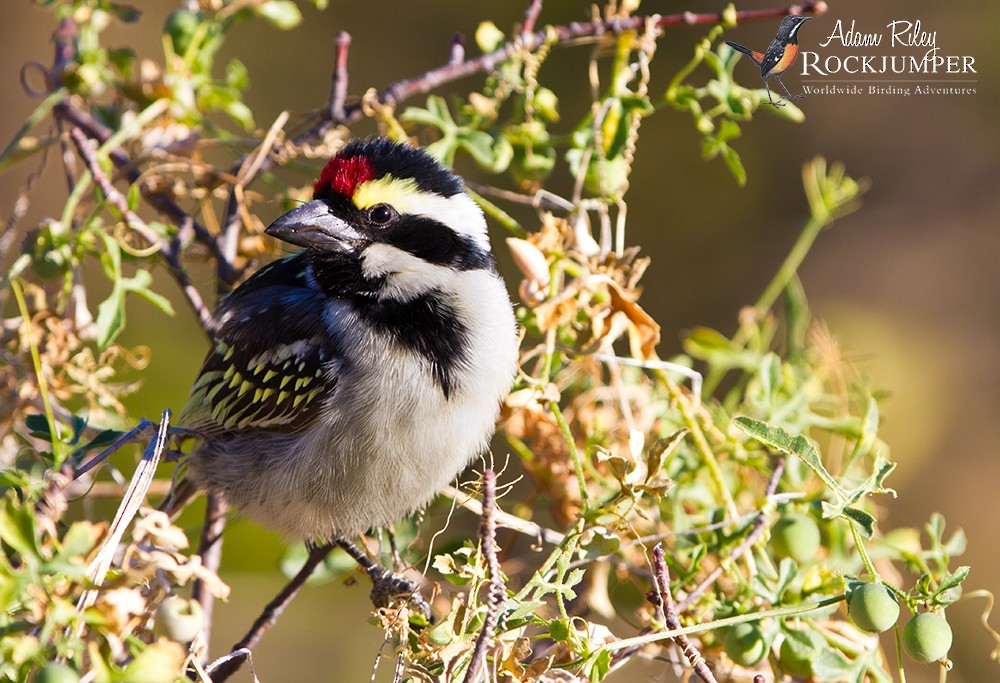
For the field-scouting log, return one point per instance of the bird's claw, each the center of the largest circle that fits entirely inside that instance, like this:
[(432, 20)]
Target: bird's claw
[(387, 585)]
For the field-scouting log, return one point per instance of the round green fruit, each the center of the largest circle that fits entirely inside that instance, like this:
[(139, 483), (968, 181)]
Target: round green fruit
[(927, 637), (178, 619), (873, 608), (793, 662), (57, 673), (795, 536), (744, 644)]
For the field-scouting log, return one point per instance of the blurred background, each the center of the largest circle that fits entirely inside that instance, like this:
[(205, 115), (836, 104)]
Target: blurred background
[(909, 285)]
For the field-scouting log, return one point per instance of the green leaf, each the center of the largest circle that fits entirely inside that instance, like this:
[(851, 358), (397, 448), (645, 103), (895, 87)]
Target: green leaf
[(237, 75), (863, 519), (111, 312), (139, 284), (38, 426), (161, 662), (559, 629), (597, 665), (779, 439), (284, 14), (17, 529), (110, 318), (80, 539), (952, 580), (735, 164)]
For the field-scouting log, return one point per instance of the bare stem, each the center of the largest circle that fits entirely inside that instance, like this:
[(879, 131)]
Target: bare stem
[(210, 550), (497, 587), (664, 603)]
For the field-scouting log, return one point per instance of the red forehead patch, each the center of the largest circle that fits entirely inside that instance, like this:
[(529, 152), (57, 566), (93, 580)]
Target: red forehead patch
[(343, 176)]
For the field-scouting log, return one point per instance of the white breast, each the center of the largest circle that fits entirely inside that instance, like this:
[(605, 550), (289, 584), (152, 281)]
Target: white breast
[(389, 439)]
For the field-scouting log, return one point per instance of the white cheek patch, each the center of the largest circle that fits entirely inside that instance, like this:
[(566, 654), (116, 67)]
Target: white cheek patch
[(406, 276), (459, 212)]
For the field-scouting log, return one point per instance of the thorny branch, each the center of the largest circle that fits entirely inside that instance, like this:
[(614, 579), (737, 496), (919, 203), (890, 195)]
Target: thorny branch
[(664, 602), (497, 588)]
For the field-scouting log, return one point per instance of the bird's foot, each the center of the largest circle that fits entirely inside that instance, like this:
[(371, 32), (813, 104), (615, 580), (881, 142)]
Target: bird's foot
[(794, 98), (387, 585), (776, 104)]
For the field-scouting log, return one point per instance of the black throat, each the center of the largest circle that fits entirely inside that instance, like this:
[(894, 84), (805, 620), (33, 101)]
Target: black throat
[(427, 324)]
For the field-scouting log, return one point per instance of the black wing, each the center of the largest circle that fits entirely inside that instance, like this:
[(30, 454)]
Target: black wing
[(273, 364)]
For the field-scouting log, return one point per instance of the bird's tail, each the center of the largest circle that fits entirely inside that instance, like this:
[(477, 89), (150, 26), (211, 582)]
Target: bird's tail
[(740, 48)]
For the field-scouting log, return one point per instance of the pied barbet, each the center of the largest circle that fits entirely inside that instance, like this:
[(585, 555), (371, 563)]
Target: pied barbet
[(352, 380)]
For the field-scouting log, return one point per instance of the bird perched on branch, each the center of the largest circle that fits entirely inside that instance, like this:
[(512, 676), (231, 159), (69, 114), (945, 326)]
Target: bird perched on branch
[(779, 56), (350, 381)]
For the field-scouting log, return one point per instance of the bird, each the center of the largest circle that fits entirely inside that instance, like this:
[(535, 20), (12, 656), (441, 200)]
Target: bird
[(779, 56), (348, 382)]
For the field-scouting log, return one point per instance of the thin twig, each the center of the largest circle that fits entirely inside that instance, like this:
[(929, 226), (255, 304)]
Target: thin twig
[(497, 588), (756, 530), (559, 35), (505, 519), (456, 51), (270, 614), (338, 89), (136, 432), (210, 551), (162, 202), (664, 603), (117, 199), (531, 16)]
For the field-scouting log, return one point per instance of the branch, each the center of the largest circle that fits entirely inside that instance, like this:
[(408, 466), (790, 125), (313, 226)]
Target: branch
[(68, 111), (170, 251), (210, 551), (227, 667), (453, 71), (338, 88), (497, 588), (755, 533), (664, 603), (531, 16)]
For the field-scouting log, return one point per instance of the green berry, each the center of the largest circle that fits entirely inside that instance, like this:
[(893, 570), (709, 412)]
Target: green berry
[(927, 637), (178, 619), (57, 673), (873, 608), (793, 662), (745, 644), (795, 536)]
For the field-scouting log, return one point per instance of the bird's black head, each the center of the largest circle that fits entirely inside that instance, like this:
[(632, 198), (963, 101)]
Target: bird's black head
[(789, 29), (391, 213)]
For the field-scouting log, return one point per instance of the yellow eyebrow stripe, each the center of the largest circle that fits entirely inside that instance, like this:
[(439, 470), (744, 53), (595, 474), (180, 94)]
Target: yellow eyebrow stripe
[(403, 195)]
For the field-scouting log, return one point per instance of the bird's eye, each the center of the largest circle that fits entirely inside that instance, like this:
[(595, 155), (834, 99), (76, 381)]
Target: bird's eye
[(380, 214)]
